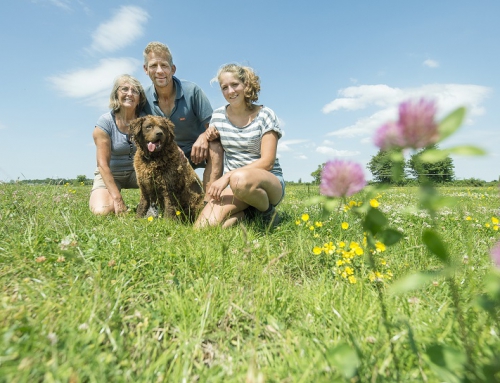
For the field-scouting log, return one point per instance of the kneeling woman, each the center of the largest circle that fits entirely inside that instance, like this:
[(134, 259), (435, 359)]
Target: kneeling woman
[(114, 148), (249, 134)]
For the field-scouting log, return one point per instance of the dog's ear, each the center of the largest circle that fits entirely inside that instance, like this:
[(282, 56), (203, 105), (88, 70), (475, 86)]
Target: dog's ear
[(169, 129), (136, 127)]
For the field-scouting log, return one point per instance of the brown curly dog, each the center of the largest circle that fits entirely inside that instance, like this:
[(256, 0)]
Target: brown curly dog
[(164, 176)]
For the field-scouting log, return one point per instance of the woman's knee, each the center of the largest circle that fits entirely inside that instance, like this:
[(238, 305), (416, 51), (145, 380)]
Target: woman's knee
[(242, 182)]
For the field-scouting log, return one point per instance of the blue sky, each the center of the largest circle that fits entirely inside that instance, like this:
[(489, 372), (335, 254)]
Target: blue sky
[(333, 71)]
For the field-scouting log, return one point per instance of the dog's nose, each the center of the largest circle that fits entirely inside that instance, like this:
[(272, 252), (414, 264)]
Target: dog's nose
[(159, 134)]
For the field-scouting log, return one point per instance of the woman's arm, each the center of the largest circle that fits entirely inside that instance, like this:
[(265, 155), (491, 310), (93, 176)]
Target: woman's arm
[(103, 153)]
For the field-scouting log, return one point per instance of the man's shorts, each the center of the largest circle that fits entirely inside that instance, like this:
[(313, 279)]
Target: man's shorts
[(123, 180)]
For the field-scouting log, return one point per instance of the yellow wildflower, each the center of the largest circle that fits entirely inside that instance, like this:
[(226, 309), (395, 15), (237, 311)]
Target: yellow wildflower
[(329, 248), (297, 222), (318, 224), (341, 244), (150, 218), (345, 225), (468, 218), (349, 270), (305, 217), (340, 262), (380, 246), (317, 250), (351, 279), (374, 203), (494, 220)]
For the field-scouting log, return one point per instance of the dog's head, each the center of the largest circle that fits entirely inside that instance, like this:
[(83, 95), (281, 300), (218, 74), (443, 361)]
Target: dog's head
[(152, 133)]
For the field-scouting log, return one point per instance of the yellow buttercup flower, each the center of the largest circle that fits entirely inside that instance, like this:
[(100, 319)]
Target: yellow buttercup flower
[(329, 248), (150, 218), (177, 212), (297, 222), (318, 224), (317, 250), (305, 217), (345, 225), (494, 220), (352, 279), (468, 218), (380, 246), (374, 203)]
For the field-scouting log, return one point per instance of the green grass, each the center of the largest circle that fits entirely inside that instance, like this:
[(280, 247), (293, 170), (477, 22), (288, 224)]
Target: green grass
[(96, 299)]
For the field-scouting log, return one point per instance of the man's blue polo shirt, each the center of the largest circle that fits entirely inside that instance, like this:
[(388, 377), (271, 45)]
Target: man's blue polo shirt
[(191, 112)]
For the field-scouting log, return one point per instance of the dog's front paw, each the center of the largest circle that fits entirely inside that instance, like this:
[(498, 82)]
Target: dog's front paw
[(153, 211)]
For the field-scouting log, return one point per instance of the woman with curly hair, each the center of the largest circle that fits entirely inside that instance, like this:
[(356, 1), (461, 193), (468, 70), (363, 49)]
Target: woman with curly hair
[(252, 184)]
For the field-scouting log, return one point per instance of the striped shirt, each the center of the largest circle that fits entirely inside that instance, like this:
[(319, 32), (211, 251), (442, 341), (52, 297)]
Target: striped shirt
[(242, 145)]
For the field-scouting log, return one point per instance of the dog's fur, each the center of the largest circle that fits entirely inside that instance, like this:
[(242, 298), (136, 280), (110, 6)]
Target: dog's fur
[(164, 176)]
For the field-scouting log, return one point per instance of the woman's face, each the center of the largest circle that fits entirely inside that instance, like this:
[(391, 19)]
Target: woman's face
[(128, 95), (232, 88)]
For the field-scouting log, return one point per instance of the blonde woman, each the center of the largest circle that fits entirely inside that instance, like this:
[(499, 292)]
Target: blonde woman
[(114, 148)]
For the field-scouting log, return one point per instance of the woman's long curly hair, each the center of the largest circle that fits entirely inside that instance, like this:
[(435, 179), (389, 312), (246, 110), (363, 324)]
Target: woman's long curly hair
[(248, 77)]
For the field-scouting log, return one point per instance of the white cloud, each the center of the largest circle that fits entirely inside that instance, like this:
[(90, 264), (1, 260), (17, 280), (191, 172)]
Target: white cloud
[(447, 97), (359, 97), (431, 63), (285, 145), (336, 153), (64, 4), (126, 26), (94, 84)]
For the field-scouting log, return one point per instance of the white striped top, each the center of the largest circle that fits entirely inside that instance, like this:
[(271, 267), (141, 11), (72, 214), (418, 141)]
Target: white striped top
[(242, 145)]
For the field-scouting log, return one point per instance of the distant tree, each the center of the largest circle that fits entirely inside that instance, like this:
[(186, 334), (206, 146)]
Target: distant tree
[(300, 180), (316, 175), (81, 178), (437, 172), (381, 166)]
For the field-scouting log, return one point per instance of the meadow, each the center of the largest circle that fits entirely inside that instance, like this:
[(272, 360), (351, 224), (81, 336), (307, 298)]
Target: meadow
[(120, 299)]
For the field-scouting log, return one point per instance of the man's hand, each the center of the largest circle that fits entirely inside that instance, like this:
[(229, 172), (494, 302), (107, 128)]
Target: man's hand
[(199, 151)]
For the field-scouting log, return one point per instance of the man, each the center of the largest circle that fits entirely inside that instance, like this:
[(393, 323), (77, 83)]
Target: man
[(185, 104)]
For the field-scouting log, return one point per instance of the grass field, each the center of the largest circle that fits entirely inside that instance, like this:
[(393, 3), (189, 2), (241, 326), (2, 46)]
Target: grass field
[(120, 299)]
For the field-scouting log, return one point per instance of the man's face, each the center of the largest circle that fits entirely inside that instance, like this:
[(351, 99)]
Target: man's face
[(159, 70)]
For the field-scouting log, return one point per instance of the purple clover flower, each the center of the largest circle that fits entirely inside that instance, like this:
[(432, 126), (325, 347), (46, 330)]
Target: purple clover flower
[(495, 254), (341, 179), (415, 128)]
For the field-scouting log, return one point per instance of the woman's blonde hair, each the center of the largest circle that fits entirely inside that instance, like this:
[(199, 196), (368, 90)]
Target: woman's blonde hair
[(248, 77), (114, 102)]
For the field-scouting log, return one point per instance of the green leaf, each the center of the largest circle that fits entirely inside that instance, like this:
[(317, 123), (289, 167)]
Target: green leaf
[(446, 362), (451, 123), (467, 150), (344, 358), (413, 282), (332, 204), (437, 247), (389, 237), (433, 155), (397, 156), (374, 221)]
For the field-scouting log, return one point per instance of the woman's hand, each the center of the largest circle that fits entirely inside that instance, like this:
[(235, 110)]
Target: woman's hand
[(215, 190), (212, 133), (119, 205)]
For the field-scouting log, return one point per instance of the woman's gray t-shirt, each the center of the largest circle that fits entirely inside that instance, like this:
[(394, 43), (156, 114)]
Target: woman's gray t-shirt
[(122, 147)]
